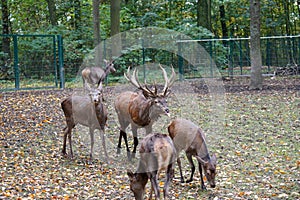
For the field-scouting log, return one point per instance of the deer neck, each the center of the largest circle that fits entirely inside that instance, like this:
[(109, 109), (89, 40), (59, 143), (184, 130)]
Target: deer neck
[(140, 110)]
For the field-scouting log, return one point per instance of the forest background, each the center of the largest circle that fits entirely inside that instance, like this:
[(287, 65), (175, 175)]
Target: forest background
[(83, 24)]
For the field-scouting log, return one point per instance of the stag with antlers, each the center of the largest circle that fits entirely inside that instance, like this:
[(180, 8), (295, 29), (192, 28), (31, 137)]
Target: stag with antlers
[(142, 108)]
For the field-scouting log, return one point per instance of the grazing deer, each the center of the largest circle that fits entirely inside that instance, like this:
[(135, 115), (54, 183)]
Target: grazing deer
[(93, 75), (157, 153), (87, 110), (189, 137), (141, 109)]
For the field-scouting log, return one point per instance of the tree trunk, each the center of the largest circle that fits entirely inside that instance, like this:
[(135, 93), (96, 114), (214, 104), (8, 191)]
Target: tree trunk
[(223, 21), (115, 7), (5, 60), (255, 53), (287, 18), (96, 25), (52, 12), (204, 14)]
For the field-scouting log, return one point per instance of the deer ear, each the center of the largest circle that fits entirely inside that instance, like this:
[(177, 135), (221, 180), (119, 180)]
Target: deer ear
[(203, 162), (146, 95), (106, 61), (214, 158), (130, 174)]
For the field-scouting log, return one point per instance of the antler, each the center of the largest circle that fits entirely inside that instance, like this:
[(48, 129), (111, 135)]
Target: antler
[(134, 81), (168, 82)]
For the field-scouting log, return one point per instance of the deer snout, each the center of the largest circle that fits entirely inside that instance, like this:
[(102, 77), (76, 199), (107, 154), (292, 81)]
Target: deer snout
[(167, 111), (212, 183), (96, 100)]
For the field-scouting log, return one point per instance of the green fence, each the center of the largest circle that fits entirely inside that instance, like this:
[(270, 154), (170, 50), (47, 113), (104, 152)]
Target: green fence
[(36, 61), (231, 56), (280, 56), (31, 62)]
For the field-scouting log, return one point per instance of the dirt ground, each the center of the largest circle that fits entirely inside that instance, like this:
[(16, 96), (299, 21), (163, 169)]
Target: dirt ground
[(255, 134)]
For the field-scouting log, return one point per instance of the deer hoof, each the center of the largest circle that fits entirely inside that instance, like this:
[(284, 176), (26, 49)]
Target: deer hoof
[(189, 181), (133, 155), (118, 150), (129, 156)]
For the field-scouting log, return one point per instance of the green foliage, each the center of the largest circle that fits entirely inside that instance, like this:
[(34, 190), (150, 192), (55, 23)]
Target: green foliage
[(76, 25)]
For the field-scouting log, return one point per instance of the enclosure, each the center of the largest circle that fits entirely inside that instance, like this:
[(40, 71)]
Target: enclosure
[(37, 61), (256, 143), (31, 61)]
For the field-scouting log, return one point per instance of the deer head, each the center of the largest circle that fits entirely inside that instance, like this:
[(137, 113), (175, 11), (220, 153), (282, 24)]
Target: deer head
[(137, 184), (158, 101), (96, 94), (209, 168), (109, 68)]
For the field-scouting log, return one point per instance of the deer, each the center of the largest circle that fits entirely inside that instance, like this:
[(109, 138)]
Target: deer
[(141, 108), (157, 153), (95, 75), (87, 110), (189, 137)]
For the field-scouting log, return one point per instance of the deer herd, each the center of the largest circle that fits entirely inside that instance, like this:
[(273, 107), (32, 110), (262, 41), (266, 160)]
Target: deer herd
[(141, 109)]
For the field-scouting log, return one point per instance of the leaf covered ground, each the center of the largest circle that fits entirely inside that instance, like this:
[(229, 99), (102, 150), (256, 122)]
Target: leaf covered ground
[(257, 145)]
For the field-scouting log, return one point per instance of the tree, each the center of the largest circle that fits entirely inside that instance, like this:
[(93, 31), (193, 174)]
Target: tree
[(204, 14), (223, 20), (96, 25), (115, 26), (255, 53), (5, 30), (52, 12)]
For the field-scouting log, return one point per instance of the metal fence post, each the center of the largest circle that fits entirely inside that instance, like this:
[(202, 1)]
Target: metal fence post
[(55, 61), (143, 58), (180, 60), (61, 61), (16, 62)]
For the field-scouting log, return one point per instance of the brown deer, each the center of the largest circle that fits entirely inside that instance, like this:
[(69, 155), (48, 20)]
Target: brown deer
[(87, 110), (189, 137), (157, 153), (142, 108), (92, 75)]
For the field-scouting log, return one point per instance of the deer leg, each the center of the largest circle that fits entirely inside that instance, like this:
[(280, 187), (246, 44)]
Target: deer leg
[(92, 142), (102, 132), (154, 184), (189, 157), (70, 141), (124, 135), (180, 170), (135, 141), (120, 141), (65, 141), (201, 176), (170, 174), (126, 143)]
